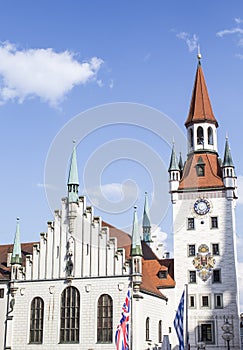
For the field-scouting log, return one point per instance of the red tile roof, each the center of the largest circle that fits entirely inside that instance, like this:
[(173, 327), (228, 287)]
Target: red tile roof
[(26, 249), (200, 108), (213, 175)]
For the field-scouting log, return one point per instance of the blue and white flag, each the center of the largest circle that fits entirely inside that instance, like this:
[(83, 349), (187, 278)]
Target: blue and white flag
[(178, 322)]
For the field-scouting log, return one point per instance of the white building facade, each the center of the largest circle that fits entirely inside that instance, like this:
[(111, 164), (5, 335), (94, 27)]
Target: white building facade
[(67, 290), (203, 195)]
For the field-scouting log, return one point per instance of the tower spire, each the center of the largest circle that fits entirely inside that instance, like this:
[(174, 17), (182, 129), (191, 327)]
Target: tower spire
[(200, 107), (73, 182), (136, 240), (228, 161), (174, 166), (146, 221), (16, 255)]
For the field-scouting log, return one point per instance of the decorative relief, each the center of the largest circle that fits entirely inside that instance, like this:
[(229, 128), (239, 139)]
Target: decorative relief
[(204, 262)]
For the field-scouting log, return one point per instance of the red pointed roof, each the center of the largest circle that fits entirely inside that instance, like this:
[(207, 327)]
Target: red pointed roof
[(212, 177), (200, 108)]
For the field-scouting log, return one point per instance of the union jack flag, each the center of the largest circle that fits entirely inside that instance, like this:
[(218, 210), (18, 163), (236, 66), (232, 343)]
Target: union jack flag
[(122, 332)]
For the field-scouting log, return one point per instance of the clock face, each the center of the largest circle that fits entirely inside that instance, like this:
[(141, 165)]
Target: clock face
[(202, 206)]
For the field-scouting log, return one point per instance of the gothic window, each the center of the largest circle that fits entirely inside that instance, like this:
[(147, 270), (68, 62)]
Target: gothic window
[(214, 222), (216, 276), (200, 137), (136, 266), (192, 277), (36, 321), (210, 136), (215, 248), (160, 331), (190, 224), (191, 250), (191, 137), (105, 319), (147, 329), (206, 332), (70, 310), (218, 301)]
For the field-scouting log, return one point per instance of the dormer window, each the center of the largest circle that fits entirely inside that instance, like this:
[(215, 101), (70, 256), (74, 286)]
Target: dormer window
[(200, 136), (200, 167), (162, 274)]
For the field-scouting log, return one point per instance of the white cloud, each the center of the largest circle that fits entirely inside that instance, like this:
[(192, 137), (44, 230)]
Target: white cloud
[(223, 32), (240, 186), (238, 20), (147, 57), (159, 237), (113, 192), (100, 83), (42, 73), (111, 85), (237, 30), (190, 40), (46, 186)]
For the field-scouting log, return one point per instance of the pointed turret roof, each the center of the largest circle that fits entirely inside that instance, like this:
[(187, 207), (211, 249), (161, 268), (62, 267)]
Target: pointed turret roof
[(173, 160), (136, 240), (146, 217), (73, 171), (228, 161), (16, 255), (180, 164), (200, 108), (73, 182)]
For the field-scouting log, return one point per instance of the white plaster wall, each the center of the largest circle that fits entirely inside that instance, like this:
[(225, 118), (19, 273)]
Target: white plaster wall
[(204, 234), (3, 312), (115, 287)]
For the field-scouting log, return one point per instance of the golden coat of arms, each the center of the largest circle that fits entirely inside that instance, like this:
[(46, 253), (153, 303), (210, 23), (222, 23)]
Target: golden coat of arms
[(204, 262)]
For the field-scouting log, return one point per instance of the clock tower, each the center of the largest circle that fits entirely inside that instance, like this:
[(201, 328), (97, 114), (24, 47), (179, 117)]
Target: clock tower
[(203, 195)]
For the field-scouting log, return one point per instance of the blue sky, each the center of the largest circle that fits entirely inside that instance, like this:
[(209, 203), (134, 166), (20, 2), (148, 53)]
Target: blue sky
[(103, 52)]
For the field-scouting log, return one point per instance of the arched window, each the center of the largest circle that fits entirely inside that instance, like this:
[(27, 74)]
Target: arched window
[(104, 319), (70, 310), (147, 329), (200, 137), (36, 320), (191, 138), (210, 136), (160, 331)]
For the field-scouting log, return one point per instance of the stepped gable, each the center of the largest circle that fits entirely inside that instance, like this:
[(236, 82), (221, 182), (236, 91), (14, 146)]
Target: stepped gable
[(123, 239), (151, 264)]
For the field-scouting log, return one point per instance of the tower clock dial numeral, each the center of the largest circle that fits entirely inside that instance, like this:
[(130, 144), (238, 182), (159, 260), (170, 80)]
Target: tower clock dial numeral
[(202, 206)]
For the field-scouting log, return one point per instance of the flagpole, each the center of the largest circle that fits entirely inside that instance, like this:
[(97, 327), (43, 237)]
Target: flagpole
[(131, 316), (186, 314)]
